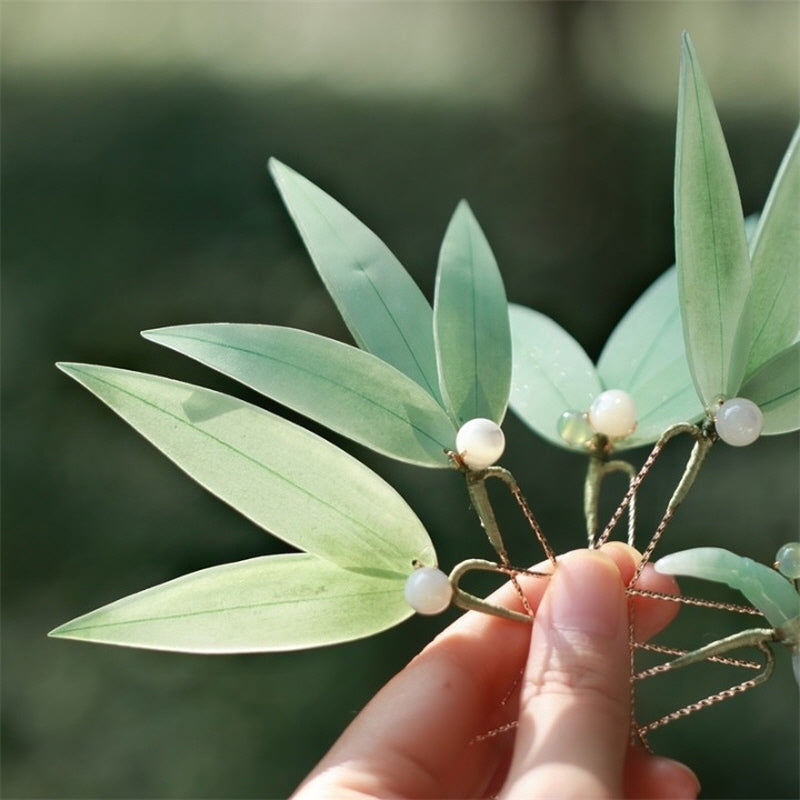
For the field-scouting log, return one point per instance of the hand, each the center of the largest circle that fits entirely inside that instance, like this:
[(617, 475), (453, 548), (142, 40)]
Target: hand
[(565, 679)]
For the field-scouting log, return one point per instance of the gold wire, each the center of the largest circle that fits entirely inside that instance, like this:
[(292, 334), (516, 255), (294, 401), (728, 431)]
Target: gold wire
[(712, 699)]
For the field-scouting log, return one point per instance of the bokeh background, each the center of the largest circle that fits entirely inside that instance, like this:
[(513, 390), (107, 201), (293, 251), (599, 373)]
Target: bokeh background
[(134, 142)]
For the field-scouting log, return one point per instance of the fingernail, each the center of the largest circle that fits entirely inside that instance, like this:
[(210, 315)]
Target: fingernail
[(585, 594)]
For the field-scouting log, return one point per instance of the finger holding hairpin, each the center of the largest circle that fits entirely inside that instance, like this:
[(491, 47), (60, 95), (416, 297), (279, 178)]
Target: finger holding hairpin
[(420, 736)]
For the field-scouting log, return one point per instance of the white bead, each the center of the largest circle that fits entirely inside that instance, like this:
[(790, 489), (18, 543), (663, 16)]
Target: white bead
[(613, 413), (428, 590), (787, 560), (480, 442), (739, 421), (574, 428)]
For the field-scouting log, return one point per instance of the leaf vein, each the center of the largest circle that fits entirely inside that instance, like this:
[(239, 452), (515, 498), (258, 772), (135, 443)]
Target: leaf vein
[(324, 378), (227, 609), (365, 273), (303, 490)]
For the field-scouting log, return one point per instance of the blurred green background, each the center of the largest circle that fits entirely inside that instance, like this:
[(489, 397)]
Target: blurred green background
[(134, 143)]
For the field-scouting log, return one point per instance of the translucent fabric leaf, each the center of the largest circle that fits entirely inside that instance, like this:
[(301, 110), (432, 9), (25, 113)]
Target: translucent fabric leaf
[(384, 309), (551, 373), (774, 300), (710, 245), (771, 593), (346, 389), (645, 356), (471, 329), (775, 389), (284, 602), (282, 477)]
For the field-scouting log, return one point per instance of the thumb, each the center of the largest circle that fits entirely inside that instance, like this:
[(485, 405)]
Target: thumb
[(574, 715)]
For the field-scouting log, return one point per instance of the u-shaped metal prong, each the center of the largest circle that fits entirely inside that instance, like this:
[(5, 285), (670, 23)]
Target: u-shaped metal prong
[(755, 637), (597, 470), (507, 478), (470, 602)]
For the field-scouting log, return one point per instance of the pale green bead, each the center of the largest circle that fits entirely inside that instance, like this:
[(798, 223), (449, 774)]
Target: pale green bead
[(787, 560), (574, 428)]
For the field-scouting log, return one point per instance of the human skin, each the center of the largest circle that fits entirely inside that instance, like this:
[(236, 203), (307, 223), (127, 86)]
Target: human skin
[(564, 681)]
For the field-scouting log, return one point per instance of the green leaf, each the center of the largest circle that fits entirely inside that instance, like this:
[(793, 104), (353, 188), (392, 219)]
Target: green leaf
[(775, 389), (646, 357), (346, 389), (285, 602), (710, 245), (774, 300), (552, 373), (285, 479), (384, 309), (771, 593), (471, 329)]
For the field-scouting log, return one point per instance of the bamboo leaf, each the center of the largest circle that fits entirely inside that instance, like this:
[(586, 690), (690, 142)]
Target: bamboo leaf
[(346, 389), (710, 245), (284, 602), (384, 309), (285, 479), (773, 301), (775, 389), (645, 356), (552, 373), (471, 329)]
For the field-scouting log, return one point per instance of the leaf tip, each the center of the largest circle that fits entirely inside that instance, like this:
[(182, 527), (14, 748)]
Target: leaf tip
[(68, 367), (153, 334), (689, 56), (463, 216), (687, 47), (277, 169), (60, 632)]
